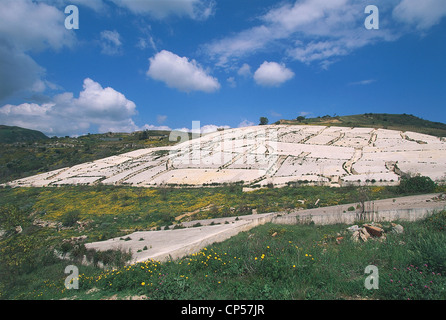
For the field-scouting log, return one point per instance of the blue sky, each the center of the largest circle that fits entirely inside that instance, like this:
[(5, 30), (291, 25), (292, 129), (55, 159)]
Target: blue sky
[(161, 64)]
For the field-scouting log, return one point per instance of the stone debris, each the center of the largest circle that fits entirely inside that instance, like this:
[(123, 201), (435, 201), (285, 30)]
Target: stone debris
[(43, 223), (81, 225), (440, 197), (75, 240), (372, 231)]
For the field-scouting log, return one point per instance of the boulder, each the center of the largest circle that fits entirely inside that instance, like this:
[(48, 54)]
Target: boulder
[(397, 228)]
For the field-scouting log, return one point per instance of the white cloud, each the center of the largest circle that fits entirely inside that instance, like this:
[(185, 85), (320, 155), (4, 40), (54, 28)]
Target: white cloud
[(153, 127), (244, 71), (362, 82), (212, 128), (272, 74), (203, 129), (307, 31), (27, 26), (245, 123), (144, 43), (161, 118), (231, 82), (180, 73), (111, 42), (305, 113), (424, 14), (105, 108), (96, 5), (246, 42), (160, 9), (275, 114)]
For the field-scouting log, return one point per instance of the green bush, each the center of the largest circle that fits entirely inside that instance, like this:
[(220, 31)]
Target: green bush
[(70, 218), (418, 184)]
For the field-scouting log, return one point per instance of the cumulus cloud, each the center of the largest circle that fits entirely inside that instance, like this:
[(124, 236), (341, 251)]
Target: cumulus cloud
[(104, 108), (111, 42), (272, 74), (27, 26), (181, 73)]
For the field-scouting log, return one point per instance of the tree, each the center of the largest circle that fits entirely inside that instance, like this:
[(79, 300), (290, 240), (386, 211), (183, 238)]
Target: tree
[(263, 121), (143, 135), (300, 118)]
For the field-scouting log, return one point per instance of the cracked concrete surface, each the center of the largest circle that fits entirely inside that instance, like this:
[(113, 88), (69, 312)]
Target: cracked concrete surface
[(260, 155)]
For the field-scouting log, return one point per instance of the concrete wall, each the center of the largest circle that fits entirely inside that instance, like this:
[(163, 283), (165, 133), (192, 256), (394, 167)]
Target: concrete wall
[(351, 217)]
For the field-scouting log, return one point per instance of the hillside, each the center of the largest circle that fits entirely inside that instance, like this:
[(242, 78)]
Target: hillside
[(266, 155), (401, 122), (24, 158), (21, 158), (9, 134)]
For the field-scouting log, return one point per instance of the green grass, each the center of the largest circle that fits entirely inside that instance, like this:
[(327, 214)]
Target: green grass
[(299, 262), (111, 208), (29, 268)]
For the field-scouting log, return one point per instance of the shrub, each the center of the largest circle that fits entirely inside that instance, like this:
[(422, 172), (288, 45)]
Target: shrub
[(70, 218), (418, 184)]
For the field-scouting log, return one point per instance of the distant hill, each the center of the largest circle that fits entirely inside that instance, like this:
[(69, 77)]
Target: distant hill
[(13, 134), (402, 122)]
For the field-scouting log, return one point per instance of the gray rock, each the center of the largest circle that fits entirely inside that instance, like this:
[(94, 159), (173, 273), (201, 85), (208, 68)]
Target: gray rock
[(397, 228)]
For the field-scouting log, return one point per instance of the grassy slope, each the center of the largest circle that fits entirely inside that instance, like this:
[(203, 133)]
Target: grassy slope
[(9, 134), (29, 268), (299, 262)]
